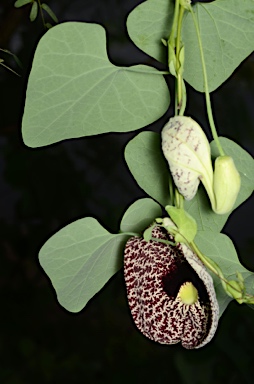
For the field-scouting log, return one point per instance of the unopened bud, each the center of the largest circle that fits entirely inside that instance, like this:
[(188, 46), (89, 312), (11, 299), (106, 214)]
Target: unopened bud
[(187, 151), (226, 184)]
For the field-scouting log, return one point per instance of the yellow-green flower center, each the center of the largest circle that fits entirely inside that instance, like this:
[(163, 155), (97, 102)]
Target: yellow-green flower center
[(188, 294)]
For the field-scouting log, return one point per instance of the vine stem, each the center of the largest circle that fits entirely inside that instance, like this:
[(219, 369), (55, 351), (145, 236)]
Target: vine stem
[(181, 91), (207, 94)]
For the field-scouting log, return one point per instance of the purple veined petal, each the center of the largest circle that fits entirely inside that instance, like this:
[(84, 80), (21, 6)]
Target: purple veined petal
[(187, 150), (154, 275)]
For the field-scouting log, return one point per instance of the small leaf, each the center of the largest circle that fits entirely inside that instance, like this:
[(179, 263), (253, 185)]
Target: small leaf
[(147, 164), (49, 12), (221, 250), (20, 3), (34, 11), (80, 259), (140, 215), (186, 225), (74, 90)]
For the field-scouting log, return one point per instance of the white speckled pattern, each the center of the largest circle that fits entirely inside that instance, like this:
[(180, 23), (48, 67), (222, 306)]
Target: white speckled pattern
[(187, 150)]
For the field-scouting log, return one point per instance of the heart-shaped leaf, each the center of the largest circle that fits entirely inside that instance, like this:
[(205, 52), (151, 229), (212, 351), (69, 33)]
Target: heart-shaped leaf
[(74, 90), (80, 259)]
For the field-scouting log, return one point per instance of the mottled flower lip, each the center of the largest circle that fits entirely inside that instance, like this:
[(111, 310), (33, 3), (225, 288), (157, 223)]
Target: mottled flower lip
[(154, 273)]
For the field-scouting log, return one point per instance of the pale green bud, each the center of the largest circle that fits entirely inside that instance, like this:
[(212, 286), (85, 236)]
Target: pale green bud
[(226, 184)]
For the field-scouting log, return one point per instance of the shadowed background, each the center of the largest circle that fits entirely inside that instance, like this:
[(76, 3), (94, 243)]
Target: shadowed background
[(44, 189)]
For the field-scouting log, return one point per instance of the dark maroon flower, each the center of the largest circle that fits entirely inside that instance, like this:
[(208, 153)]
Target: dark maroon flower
[(171, 295)]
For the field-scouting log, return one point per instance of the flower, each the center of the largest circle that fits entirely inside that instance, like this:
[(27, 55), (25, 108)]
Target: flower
[(187, 150), (171, 295)]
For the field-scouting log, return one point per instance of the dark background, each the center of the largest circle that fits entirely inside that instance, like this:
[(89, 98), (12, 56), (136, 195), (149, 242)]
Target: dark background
[(42, 190)]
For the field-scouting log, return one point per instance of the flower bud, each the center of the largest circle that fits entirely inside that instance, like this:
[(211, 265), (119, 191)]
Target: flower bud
[(226, 184), (187, 151)]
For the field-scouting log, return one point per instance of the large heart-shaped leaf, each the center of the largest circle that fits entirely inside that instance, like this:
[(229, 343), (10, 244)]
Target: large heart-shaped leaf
[(227, 33), (74, 90), (80, 259)]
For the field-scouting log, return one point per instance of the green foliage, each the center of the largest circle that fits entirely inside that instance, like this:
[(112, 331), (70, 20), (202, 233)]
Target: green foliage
[(20, 3), (199, 207), (34, 11), (185, 223), (221, 250), (140, 215), (148, 166), (80, 259), (227, 36), (74, 90), (49, 12), (152, 173)]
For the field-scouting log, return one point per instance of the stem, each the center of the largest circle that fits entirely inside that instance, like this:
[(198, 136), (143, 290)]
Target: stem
[(171, 38), (5, 66), (181, 93), (178, 36), (41, 12), (207, 94)]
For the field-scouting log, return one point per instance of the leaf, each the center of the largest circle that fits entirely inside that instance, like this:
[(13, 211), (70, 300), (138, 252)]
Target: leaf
[(49, 12), (80, 259), (185, 223), (220, 249), (20, 3), (34, 11), (199, 207), (146, 162), (74, 90), (227, 33), (140, 215), (150, 22)]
